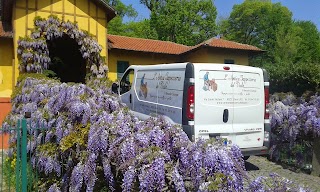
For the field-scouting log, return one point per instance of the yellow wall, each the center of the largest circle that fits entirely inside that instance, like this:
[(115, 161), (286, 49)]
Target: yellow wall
[(219, 55), (197, 56), (136, 58), (6, 75), (202, 55), (211, 55), (89, 17)]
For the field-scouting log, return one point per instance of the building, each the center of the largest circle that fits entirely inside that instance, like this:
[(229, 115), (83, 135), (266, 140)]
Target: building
[(17, 20), (125, 51)]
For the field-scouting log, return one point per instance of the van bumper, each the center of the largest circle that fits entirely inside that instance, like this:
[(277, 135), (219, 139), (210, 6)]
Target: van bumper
[(255, 151)]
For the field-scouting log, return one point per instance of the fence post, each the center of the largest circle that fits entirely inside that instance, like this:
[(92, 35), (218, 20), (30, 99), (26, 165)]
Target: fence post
[(24, 156)]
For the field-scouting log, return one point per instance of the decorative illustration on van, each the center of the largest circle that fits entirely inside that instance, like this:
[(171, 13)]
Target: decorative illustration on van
[(209, 84), (143, 87)]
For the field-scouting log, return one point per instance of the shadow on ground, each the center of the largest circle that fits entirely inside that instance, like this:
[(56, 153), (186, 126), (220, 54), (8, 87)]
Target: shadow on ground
[(250, 167)]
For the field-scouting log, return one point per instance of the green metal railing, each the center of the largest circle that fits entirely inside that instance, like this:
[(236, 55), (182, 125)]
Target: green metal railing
[(17, 173)]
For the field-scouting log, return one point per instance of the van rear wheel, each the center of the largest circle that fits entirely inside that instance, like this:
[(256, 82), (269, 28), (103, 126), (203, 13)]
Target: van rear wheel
[(246, 157)]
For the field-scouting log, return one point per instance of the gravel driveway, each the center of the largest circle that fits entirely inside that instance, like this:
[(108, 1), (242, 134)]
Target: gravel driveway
[(261, 166)]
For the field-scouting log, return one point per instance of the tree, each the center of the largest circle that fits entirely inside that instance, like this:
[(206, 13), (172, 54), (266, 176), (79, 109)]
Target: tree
[(309, 47), (183, 21), (256, 23), (286, 46), (140, 29), (122, 9), (152, 4), (116, 25)]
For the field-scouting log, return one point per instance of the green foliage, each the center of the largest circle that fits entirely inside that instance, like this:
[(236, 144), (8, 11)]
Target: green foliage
[(187, 22), (49, 149), (309, 47), (9, 173), (152, 4), (140, 29), (122, 9), (78, 137), (297, 78), (217, 181), (50, 73), (287, 154), (286, 45), (292, 54), (99, 82), (257, 23)]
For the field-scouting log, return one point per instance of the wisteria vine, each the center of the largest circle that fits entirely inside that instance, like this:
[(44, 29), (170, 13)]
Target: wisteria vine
[(33, 52), (295, 122), (90, 141)]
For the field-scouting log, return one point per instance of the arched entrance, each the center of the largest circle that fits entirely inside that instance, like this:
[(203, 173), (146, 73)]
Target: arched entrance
[(66, 60), (60, 46)]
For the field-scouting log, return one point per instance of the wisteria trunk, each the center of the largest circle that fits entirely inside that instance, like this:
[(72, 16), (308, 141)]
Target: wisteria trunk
[(316, 157)]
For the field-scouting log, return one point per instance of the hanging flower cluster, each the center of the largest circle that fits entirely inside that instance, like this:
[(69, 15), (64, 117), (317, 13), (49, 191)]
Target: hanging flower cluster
[(33, 52), (89, 141), (295, 122)]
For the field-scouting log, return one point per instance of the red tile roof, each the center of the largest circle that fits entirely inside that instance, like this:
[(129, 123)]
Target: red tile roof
[(146, 45), (222, 43), (156, 46), (4, 32)]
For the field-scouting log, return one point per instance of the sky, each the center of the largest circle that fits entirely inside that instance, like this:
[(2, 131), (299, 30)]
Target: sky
[(306, 10)]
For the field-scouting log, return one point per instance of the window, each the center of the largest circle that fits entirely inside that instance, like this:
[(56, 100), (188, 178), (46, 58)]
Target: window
[(228, 61), (121, 68), (127, 81)]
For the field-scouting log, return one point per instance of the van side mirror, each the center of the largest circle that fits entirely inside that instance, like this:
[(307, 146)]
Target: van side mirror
[(115, 88)]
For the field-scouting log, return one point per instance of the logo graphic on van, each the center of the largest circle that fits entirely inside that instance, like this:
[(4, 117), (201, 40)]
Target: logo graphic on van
[(209, 84), (143, 87)]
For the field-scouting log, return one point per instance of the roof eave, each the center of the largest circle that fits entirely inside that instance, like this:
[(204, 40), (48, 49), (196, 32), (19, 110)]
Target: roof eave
[(255, 52), (7, 6), (111, 13), (176, 54)]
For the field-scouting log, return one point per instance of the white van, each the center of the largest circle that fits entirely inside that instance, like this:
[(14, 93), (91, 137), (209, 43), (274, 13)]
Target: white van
[(208, 99)]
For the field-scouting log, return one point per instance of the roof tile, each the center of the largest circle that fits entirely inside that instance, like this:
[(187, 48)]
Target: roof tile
[(167, 47), (222, 43), (146, 45)]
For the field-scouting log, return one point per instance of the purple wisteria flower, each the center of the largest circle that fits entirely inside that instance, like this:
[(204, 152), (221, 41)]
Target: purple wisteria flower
[(76, 180), (152, 176), (54, 188), (83, 138), (128, 179), (178, 180)]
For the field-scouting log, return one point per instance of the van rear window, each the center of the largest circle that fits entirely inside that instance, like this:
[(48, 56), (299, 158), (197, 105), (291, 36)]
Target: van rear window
[(228, 88)]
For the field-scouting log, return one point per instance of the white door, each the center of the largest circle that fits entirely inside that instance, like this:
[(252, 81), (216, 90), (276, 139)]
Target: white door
[(248, 116), (213, 101)]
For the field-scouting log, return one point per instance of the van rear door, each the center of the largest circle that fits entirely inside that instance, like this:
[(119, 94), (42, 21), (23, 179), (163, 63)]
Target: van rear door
[(229, 103), (213, 101), (248, 115)]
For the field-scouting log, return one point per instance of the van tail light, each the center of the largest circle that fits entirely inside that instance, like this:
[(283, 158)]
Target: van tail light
[(266, 102), (190, 103)]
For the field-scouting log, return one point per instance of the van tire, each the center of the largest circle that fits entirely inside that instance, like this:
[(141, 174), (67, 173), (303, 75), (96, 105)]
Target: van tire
[(246, 157)]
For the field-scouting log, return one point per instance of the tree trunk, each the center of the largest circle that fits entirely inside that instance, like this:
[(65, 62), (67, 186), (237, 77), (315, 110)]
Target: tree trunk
[(316, 157)]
